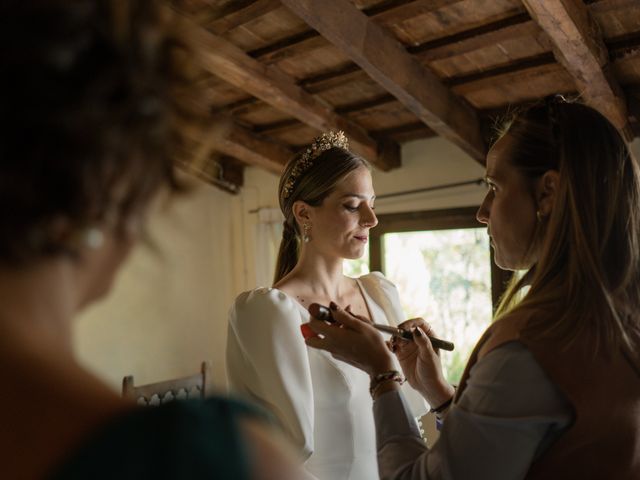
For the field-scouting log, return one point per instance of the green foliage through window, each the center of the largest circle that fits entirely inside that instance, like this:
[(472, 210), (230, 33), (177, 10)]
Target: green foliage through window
[(444, 276)]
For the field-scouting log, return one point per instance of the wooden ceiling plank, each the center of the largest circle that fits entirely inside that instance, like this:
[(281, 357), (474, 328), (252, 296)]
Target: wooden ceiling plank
[(290, 51), (579, 48), (243, 15), (223, 59), (606, 6), (412, 10), (478, 42), (333, 79), (385, 60), (453, 46)]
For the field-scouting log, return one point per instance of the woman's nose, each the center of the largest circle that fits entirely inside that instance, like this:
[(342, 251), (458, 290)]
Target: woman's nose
[(369, 219), (482, 215)]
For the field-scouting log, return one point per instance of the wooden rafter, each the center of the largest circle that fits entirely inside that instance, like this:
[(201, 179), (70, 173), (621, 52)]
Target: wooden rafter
[(385, 13), (254, 150), (385, 60), (223, 59), (224, 136), (578, 46)]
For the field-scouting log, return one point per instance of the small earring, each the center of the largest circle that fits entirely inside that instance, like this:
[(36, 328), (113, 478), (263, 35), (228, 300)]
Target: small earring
[(93, 238), (539, 215), (305, 234)]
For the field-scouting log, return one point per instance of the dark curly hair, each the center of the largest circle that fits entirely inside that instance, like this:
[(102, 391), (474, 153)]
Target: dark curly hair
[(89, 123)]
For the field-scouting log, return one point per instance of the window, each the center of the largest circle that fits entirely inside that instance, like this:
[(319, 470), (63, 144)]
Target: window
[(441, 263)]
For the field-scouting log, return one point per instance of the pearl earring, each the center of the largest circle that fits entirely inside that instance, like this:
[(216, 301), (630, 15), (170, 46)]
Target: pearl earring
[(93, 238), (305, 235)]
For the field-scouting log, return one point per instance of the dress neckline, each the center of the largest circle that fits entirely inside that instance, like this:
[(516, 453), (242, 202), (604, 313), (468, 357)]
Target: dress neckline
[(363, 291)]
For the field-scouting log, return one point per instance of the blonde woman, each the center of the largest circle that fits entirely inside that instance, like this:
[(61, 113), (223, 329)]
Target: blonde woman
[(327, 198), (552, 389)]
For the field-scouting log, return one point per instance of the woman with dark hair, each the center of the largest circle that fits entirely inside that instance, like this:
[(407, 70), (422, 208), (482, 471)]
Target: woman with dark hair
[(327, 199), (552, 389), (89, 130)]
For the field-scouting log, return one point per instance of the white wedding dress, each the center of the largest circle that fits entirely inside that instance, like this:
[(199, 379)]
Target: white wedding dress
[(322, 404)]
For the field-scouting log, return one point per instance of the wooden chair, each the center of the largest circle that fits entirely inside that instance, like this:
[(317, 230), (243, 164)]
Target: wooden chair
[(194, 386)]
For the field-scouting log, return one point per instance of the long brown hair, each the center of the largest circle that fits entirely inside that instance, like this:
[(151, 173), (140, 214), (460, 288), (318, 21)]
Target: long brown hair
[(311, 187), (587, 278)]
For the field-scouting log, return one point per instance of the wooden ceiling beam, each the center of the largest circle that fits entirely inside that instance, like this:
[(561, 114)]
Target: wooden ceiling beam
[(291, 47), (254, 150), (579, 48), (404, 129), (385, 13), (463, 42), (275, 128), (200, 158), (223, 59), (224, 136), (327, 81), (459, 44), (461, 85), (385, 60), (222, 172)]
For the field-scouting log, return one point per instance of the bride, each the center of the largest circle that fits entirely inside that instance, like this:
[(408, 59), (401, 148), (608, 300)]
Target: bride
[(327, 198)]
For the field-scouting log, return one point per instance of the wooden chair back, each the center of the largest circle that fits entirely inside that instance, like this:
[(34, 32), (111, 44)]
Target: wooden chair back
[(193, 386)]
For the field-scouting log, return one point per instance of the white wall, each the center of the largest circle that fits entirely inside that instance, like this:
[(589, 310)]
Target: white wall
[(167, 312), (427, 163), (164, 315)]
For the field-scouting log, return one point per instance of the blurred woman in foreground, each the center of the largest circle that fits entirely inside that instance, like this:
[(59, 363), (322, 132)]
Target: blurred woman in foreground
[(88, 135)]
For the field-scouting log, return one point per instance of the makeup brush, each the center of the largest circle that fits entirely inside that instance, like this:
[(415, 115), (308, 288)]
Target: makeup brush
[(323, 313)]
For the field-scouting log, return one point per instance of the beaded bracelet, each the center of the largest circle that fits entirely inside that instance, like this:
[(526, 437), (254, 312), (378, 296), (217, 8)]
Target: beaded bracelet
[(391, 375)]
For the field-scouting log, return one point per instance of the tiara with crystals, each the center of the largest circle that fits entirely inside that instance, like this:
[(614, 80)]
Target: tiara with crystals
[(326, 141)]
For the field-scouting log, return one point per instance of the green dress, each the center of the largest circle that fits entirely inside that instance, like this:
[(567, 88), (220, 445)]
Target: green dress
[(193, 439)]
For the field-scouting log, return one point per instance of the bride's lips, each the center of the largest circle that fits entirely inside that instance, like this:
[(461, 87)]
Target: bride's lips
[(362, 238)]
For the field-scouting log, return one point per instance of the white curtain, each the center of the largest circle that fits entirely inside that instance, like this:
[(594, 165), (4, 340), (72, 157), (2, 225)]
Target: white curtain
[(267, 242)]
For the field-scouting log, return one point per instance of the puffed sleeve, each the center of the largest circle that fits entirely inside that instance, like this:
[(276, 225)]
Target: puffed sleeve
[(267, 360)]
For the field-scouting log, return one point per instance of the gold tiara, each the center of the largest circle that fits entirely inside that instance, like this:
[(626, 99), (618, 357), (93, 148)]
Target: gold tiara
[(326, 141)]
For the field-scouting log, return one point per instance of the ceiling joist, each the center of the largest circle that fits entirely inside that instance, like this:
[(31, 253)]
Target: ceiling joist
[(385, 60), (579, 48), (223, 59), (254, 150), (224, 136)]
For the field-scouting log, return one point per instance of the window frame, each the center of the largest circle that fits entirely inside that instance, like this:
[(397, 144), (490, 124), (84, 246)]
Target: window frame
[(425, 220)]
